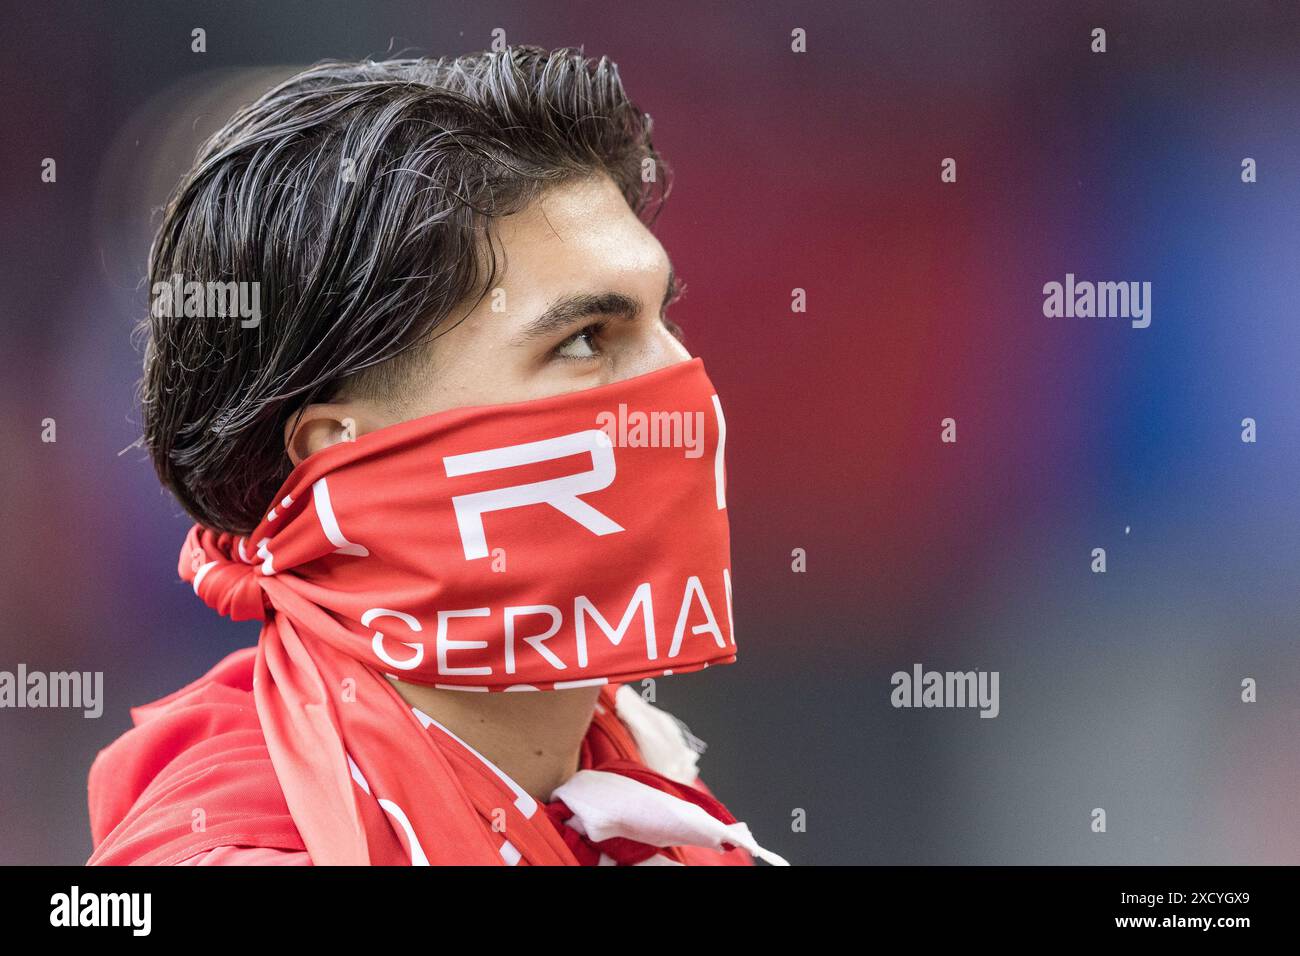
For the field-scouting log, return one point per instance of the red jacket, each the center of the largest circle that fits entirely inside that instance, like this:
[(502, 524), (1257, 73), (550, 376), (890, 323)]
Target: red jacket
[(155, 798)]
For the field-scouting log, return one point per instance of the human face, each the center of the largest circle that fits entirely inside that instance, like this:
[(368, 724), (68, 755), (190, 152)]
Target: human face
[(580, 302)]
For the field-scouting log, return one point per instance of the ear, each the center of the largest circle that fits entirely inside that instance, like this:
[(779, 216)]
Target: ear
[(319, 426)]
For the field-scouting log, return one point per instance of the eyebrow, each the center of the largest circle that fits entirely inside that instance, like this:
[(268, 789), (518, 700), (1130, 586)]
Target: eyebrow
[(565, 312)]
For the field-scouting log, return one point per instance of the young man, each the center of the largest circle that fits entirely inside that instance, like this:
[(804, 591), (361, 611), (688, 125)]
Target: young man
[(457, 459)]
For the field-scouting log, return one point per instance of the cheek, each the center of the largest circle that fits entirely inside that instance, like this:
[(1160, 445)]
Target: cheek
[(472, 377)]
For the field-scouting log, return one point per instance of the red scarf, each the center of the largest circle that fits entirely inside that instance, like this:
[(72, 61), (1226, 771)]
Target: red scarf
[(575, 540)]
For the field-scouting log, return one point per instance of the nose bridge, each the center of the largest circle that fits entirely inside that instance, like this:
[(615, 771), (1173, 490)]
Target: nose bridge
[(659, 349)]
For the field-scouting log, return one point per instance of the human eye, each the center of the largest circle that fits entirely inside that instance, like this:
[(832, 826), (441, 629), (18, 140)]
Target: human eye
[(582, 345)]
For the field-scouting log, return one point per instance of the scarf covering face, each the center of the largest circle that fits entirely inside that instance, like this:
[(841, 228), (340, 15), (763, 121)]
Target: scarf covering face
[(570, 541)]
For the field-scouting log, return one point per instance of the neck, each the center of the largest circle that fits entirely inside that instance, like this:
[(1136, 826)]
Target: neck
[(534, 738)]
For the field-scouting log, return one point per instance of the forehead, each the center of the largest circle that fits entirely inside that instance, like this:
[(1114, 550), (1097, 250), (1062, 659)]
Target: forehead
[(578, 232)]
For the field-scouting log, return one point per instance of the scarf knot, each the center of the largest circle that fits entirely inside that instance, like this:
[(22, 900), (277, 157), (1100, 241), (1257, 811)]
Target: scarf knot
[(224, 574)]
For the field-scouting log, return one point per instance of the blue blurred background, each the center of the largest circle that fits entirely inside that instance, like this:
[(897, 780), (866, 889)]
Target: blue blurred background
[(817, 171)]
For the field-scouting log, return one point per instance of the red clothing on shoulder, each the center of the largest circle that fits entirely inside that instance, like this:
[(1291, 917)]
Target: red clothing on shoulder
[(192, 784)]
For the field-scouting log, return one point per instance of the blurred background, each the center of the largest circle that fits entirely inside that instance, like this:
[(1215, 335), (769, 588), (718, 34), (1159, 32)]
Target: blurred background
[(818, 171)]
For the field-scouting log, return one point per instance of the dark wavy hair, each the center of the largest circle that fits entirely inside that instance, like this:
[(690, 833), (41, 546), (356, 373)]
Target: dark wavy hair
[(361, 196)]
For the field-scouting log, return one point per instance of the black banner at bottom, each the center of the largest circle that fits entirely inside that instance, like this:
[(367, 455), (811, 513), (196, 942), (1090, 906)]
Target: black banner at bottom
[(268, 905)]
